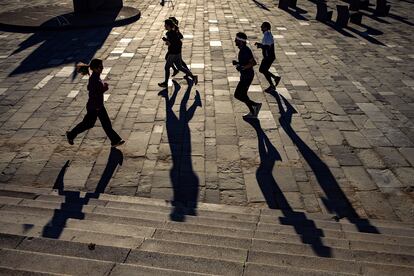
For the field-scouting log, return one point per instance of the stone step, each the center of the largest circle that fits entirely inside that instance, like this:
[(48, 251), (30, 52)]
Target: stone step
[(193, 249), (42, 262), (139, 270), (300, 227), (336, 253), (186, 263), (208, 229), (20, 272), (71, 235), (325, 264), (253, 269), (208, 209)]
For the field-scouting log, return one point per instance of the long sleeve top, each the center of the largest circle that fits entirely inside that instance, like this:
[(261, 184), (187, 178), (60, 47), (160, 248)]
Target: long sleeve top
[(96, 90)]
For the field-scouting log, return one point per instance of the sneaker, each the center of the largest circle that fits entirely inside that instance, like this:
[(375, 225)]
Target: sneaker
[(70, 140), (270, 89), (119, 143), (257, 108), (249, 116), (195, 79), (277, 80), (175, 73), (163, 84)]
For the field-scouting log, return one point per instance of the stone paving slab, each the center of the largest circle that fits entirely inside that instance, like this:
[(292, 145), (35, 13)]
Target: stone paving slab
[(339, 138)]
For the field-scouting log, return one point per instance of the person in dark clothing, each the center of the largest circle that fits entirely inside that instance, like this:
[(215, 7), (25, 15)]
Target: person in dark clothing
[(245, 66), (95, 106), (177, 29), (268, 51), (174, 43)]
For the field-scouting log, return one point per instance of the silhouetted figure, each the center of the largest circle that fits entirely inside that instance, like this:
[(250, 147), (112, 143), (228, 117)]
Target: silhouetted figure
[(336, 200), (184, 179), (308, 231), (74, 203), (95, 106), (177, 29), (268, 51), (175, 45), (245, 66)]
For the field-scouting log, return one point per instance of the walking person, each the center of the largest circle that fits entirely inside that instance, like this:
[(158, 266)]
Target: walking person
[(268, 51), (95, 105), (245, 66), (175, 44), (180, 35)]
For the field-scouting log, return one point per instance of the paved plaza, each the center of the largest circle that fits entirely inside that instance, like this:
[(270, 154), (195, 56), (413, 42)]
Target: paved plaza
[(337, 135)]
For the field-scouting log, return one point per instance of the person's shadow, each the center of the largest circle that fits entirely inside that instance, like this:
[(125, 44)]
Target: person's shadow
[(184, 180), (335, 201), (72, 207), (306, 228)]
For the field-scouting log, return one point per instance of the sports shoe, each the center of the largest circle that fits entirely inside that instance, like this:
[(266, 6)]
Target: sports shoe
[(249, 116), (70, 140), (175, 73), (257, 108), (270, 89), (119, 143), (163, 84)]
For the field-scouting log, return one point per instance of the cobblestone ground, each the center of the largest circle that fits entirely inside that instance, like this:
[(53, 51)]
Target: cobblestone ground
[(343, 130)]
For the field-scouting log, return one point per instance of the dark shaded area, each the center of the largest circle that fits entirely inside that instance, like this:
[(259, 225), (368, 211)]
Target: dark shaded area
[(306, 228), (58, 17), (60, 48), (261, 5), (184, 180), (336, 200), (72, 207)]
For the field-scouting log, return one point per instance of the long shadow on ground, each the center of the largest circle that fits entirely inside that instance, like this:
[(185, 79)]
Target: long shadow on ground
[(336, 200), (306, 228), (74, 203), (184, 180)]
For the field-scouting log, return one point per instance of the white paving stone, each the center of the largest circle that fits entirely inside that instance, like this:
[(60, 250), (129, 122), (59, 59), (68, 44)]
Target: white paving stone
[(188, 36), (228, 16), (213, 21), (197, 65), (233, 79), (394, 58), (105, 72), (290, 53), (255, 88), (43, 82), (278, 36), (65, 72), (298, 83), (215, 43), (2, 91), (306, 43), (106, 97), (244, 20), (284, 92), (304, 23), (73, 93), (281, 28), (213, 29), (118, 50), (128, 55)]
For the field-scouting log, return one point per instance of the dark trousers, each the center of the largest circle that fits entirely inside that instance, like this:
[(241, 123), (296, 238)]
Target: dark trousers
[(89, 121), (175, 60), (242, 88), (264, 69)]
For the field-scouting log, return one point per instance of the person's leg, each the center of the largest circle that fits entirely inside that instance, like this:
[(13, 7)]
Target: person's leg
[(107, 126), (264, 69), (87, 123), (241, 93), (167, 67), (178, 63)]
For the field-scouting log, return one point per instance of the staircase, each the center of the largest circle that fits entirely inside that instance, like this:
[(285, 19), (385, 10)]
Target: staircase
[(44, 233)]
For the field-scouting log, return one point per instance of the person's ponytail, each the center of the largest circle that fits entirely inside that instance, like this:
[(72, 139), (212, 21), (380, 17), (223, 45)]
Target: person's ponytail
[(82, 68)]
